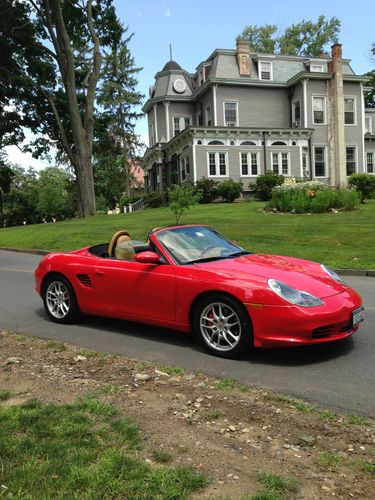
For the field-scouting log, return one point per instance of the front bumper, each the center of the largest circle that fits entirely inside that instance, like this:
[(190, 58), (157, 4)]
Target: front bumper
[(288, 325)]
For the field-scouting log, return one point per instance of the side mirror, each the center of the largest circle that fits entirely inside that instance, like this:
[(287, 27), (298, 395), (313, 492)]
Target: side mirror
[(147, 258)]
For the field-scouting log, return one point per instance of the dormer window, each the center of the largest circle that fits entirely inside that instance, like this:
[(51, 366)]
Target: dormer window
[(316, 68), (265, 70)]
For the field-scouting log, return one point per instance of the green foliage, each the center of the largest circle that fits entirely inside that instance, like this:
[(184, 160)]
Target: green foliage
[(161, 456), (154, 200), (181, 198), (370, 96), (274, 487), (225, 384), (306, 38), (311, 196), (230, 190), (265, 183), (82, 450), (364, 184), (56, 194), (4, 395), (329, 460), (207, 189)]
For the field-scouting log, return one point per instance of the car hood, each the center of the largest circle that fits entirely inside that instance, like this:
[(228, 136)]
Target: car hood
[(297, 273)]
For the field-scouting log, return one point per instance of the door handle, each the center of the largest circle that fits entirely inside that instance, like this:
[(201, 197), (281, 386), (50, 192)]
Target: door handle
[(99, 272)]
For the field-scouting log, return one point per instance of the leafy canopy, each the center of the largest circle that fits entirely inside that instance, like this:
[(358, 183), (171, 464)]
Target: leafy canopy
[(306, 38)]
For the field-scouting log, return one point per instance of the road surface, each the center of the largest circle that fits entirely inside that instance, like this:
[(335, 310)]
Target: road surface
[(340, 376)]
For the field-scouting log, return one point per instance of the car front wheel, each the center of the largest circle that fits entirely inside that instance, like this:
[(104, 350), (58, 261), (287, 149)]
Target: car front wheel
[(59, 300), (223, 326)]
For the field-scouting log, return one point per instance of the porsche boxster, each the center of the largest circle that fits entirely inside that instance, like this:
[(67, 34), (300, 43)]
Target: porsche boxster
[(191, 278)]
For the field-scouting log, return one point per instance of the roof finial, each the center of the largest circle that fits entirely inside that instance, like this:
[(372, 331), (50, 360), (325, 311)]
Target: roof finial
[(170, 52)]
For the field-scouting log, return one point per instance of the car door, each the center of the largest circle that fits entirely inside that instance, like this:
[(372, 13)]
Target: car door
[(135, 290)]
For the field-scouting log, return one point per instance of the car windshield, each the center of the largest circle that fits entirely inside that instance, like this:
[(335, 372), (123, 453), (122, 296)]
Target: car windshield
[(192, 244)]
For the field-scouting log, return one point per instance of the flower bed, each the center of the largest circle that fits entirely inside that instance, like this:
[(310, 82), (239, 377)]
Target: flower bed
[(311, 196)]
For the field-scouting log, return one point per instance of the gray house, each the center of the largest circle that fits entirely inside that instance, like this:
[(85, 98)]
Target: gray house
[(242, 113)]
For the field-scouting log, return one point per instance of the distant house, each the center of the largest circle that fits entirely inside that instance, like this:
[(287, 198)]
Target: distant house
[(242, 113)]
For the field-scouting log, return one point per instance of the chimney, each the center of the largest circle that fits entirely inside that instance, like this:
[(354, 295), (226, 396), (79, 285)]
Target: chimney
[(243, 57), (336, 122)]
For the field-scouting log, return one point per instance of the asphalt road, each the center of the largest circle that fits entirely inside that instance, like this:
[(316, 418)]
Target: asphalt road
[(340, 376)]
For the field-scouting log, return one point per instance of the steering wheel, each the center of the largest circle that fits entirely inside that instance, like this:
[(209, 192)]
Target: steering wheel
[(114, 240)]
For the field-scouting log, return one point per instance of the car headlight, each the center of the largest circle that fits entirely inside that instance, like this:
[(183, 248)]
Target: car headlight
[(297, 297), (332, 273)]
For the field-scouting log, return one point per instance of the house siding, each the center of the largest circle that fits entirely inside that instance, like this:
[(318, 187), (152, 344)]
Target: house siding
[(267, 106)]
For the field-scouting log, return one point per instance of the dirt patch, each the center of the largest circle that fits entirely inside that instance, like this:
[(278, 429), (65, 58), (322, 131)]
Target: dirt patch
[(231, 432)]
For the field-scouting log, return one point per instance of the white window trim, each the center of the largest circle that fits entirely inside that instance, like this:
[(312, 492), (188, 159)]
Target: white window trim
[(373, 162), (234, 102), (249, 153), (182, 163), (294, 102), (368, 117), (355, 110), (321, 70), (280, 165), (356, 158), (217, 164), (325, 109), (180, 116), (260, 70), (326, 167)]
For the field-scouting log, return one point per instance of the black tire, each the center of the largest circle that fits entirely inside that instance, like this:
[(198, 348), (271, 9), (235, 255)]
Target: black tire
[(59, 300), (223, 326)]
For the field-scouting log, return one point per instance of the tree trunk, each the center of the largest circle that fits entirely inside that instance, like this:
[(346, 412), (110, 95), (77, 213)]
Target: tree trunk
[(86, 205)]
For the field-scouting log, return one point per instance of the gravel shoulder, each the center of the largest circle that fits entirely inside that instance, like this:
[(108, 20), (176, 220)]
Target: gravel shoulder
[(231, 432)]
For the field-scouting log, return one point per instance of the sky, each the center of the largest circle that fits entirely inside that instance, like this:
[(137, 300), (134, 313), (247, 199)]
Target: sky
[(198, 27)]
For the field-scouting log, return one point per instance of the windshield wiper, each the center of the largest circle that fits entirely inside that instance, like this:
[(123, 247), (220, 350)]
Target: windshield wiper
[(207, 259), (237, 254)]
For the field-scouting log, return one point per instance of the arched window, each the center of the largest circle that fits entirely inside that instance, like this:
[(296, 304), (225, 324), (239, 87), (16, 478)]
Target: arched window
[(248, 143), (216, 143), (279, 143), (199, 142)]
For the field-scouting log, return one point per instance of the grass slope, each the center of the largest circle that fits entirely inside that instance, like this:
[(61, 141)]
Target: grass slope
[(344, 240)]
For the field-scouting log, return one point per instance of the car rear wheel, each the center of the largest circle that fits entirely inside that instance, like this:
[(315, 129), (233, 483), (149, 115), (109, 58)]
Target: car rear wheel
[(59, 300), (223, 326)]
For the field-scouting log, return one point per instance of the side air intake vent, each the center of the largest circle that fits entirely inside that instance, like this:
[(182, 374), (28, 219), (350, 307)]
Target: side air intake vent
[(85, 280)]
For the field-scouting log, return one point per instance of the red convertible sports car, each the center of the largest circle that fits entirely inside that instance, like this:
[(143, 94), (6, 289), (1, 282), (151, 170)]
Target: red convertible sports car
[(191, 278)]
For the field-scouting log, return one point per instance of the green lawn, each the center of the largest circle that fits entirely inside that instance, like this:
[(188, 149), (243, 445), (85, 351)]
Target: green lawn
[(344, 240), (82, 450)]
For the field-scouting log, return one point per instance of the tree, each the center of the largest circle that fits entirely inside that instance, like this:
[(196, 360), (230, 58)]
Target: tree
[(306, 38), (20, 203), (6, 176), (119, 99), (56, 194), (370, 96), (49, 70), (181, 198)]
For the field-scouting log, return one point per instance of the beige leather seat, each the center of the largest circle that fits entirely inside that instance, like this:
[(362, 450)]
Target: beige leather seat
[(124, 249)]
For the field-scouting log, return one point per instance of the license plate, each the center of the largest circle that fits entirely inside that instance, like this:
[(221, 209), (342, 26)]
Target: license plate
[(358, 315)]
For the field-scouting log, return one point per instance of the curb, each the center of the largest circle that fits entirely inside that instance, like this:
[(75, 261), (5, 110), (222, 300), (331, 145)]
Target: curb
[(369, 273), (20, 250)]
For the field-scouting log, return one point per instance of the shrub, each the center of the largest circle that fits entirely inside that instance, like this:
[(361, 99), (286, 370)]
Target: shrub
[(230, 190), (207, 189), (181, 198), (311, 196), (154, 200), (265, 183), (364, 184), (348, 200)]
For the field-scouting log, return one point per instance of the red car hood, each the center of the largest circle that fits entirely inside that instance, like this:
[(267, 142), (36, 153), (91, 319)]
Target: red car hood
[(297, 273)]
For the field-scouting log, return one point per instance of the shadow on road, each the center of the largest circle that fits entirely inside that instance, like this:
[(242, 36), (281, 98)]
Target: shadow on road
[(293, 356)]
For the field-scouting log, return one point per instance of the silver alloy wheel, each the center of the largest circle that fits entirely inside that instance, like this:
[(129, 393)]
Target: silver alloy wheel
[(58, 299), (220, 326)]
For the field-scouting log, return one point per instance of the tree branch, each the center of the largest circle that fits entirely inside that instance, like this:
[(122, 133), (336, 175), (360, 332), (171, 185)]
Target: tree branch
[(93, 78)]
